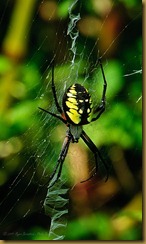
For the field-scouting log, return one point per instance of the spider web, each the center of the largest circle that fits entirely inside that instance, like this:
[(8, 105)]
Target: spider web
[(28, 187)]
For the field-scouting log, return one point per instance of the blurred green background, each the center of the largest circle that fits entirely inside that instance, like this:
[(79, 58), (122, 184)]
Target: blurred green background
[(32, 34)]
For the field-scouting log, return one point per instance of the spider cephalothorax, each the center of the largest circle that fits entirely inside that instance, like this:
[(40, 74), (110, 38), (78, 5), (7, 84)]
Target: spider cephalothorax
[(77, 111)]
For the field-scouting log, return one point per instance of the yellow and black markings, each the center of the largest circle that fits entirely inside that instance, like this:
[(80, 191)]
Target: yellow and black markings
[(77, 105)]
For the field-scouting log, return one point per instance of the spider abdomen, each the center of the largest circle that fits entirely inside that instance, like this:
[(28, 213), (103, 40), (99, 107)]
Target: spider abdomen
[(77, 105)]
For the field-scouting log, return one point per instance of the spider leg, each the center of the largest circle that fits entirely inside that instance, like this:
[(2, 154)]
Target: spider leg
[(96, 152), (56, 102), (104, 79), (60, 161), (54, 93), (55, 115), (100, 109)]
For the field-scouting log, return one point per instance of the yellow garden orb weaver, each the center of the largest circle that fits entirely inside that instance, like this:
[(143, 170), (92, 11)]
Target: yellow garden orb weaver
[(77, 110)]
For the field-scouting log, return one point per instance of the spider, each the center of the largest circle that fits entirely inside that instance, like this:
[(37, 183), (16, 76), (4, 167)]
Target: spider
[(77, 111)]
